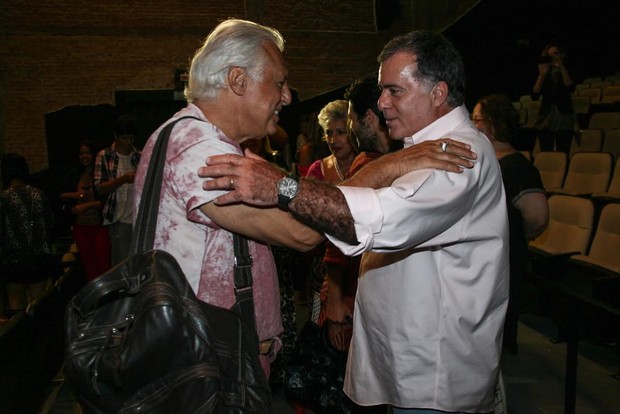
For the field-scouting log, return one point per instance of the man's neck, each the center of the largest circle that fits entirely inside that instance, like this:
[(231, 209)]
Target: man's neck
[(121, 150), (382, 142), (224, 117)]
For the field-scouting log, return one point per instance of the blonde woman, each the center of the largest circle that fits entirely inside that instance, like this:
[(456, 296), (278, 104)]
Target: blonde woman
[(333, 121)]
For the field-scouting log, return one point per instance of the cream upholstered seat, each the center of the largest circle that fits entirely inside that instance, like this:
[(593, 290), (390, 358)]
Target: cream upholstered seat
[(590, 140), (613, 190), (611, 142), (593, 93), (570, 226), (593, 79), (611, 94), (588, 172), (605, 248), (581, 86), (552, 168), (600, 84), (605, 120)]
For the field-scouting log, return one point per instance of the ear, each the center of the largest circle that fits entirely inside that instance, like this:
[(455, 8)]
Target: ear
[(439, 93), (370, 117), (237, 80)]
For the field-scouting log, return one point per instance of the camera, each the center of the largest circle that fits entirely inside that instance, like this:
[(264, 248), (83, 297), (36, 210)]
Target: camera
[(545, 59)]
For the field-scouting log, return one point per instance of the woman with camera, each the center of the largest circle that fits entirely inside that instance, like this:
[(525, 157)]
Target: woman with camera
[(554, 85)]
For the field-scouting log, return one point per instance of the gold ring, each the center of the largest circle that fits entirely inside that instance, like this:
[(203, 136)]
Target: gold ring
[(232, 183)]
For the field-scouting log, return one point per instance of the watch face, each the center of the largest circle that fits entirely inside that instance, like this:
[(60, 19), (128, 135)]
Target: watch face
[(287, 187)]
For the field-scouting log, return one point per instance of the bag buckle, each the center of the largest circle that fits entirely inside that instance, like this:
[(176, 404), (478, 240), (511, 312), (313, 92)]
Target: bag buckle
[(244, 261)]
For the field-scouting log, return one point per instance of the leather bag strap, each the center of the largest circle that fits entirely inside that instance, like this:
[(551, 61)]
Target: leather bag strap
[(244, 295), (146, 223), (146, 219)]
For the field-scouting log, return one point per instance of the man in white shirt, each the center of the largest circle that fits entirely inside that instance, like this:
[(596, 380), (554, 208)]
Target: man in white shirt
[(433, 285)]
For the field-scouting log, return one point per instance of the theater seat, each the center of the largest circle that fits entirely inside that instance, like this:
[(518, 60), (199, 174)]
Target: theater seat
[(552, 168), (568, 234), (570, 226), (588, 172)]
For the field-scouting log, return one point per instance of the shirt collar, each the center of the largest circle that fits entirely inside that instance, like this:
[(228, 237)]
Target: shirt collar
[(439, 127)]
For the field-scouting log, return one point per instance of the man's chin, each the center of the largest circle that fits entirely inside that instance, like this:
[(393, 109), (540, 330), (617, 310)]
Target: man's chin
[(396, 135)]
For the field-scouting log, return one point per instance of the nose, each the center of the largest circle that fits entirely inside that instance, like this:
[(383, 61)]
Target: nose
[(286, 95), (383, 101)]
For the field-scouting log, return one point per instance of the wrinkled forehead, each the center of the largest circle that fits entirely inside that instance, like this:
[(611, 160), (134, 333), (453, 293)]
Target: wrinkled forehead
[(275, 58)]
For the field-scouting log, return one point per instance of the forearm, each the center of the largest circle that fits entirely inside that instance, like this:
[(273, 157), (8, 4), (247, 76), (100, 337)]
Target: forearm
[(538, 85), (269, 225), (372, 176), (70, 196), (323, 207), (108, 186), (80, 208)]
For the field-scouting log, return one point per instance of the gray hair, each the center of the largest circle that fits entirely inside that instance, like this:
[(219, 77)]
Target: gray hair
[(437, 58), (233, 42)]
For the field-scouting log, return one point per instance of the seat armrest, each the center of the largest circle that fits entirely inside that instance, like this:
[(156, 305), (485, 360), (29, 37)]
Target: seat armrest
[(547, 264)]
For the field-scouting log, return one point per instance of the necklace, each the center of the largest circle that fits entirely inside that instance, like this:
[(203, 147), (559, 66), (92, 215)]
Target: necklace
[(338, 169)]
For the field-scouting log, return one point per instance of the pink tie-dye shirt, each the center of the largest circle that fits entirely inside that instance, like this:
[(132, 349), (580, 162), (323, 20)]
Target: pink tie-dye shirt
[(203, 249)]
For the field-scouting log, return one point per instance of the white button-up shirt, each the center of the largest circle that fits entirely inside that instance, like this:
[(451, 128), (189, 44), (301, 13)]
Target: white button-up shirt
[(433, 284)]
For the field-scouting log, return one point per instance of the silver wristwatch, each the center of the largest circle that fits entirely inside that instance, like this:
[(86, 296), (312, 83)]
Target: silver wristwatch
[(287, 190)]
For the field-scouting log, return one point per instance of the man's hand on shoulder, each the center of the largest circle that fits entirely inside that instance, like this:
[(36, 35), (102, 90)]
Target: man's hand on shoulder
[(250, 179), (428, 154)]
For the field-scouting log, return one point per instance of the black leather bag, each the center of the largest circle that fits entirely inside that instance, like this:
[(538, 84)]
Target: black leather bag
[(139, 341)]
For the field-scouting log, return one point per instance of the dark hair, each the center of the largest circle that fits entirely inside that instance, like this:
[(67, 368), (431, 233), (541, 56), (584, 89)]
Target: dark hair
[(87, 143), (13, 166), (498, 111), (363, 95), (553, 43), (125, 125), (438, 61)]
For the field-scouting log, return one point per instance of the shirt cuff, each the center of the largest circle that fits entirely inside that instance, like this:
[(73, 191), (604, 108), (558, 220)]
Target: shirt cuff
[(367, 215)]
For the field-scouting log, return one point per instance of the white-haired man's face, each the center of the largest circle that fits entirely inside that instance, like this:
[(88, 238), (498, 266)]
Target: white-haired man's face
[(266, 95)]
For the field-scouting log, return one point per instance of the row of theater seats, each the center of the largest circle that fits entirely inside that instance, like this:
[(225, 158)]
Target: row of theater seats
[(592, 174), (600, 89), (32, 345), (602, 133), (574, 270), (597, 94), (581, 245)]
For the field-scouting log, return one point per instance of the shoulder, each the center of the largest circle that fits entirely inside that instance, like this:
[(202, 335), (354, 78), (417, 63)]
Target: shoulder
[(314, 171)]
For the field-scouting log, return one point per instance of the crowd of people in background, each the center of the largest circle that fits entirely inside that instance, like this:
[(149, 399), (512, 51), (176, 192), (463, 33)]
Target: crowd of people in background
[(382, 259)]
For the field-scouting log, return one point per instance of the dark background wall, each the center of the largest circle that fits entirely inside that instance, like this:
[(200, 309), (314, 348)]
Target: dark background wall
[(500, 41), (68, 67)]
